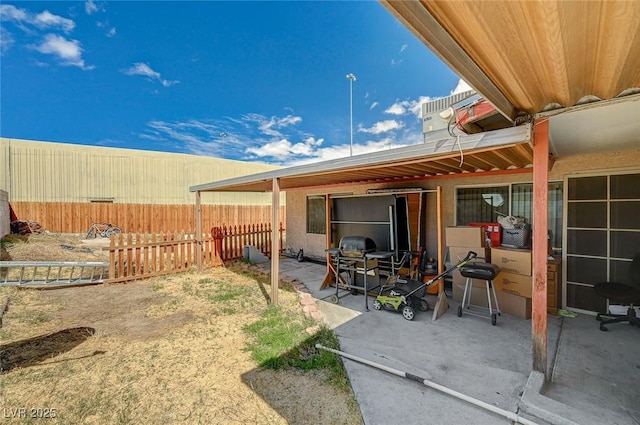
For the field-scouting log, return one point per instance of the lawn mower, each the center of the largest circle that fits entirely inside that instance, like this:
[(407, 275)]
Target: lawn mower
[(400, 294)]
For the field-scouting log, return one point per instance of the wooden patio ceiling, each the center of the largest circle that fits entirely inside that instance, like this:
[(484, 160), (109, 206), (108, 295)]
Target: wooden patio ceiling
[(498, 150), (532, 55)]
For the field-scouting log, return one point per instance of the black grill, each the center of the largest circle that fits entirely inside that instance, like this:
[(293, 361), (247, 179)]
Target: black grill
[(483, 271), (356, 246)]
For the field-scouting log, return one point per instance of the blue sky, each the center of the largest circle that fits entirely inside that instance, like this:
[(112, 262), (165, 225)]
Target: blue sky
[(253, 81)]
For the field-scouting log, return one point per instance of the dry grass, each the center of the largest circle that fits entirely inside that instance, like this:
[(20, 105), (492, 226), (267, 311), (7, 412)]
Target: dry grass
[(164, 350)]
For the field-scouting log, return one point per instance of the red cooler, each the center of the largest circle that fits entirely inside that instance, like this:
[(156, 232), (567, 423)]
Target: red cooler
[(493, 232)]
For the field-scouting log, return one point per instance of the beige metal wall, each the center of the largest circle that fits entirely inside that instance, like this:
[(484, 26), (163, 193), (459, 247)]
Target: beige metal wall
[(35, 171), (5, 218), (297, 237)]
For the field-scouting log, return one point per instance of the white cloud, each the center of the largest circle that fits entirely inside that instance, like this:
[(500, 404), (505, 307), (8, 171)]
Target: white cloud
[(404, 107), (382, 127), (6, 40), (461, 87), (68, 51), (111, 33), (90, 7), (46, 20), (373, 105), (396, 109), (272, 126), (145, 70), (396, 62), (43, 20), (12, 13), (403, 48), (282, 149)]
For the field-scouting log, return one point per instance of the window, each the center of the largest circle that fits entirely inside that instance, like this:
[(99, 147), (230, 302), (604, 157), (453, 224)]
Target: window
[(482, 204), (522, 205), (316, 214)]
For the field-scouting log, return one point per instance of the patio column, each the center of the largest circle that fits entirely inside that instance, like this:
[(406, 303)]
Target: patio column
[(327, 226), (540, 243), (275, 239)]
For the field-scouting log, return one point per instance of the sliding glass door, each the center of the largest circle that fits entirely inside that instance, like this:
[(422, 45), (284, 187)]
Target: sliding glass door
[(602, 236)]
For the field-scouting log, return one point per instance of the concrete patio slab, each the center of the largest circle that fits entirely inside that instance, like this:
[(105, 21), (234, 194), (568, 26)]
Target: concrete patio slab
[(594, 374)]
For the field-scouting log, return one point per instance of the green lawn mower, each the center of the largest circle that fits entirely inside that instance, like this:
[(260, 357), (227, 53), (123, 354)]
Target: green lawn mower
[(407, 295)]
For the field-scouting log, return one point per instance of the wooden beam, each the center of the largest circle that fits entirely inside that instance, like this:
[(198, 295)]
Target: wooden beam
[(199, 231), (540, 243), (441, 305), (275, 239)]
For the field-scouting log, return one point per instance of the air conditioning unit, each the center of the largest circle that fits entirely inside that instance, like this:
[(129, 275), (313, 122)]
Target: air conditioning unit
[(435, 121)]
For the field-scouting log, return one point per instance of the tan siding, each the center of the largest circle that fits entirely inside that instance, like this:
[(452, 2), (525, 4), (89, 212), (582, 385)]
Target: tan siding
[(56, 172)]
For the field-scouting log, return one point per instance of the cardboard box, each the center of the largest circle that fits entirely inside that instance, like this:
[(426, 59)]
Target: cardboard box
[(510, 304), (457, 253), (465, 236), (516, 261), (514, 305), (513, 283), (478, 293)]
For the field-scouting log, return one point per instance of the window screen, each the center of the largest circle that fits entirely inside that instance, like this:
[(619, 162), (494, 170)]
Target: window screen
[(481, 204), (316, 219)]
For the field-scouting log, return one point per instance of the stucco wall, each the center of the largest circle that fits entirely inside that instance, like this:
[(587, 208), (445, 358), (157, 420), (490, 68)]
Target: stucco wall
[(315, 244), (5, 218)]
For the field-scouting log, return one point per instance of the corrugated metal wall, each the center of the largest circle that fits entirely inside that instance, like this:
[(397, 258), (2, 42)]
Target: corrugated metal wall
[(5, 219), (56, 172)]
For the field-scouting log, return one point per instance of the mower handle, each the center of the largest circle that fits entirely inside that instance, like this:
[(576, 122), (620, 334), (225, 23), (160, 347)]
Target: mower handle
[(470, 256)]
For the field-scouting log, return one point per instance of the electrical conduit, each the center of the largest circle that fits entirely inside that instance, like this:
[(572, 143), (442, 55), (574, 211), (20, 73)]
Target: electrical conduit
[(507, 414)]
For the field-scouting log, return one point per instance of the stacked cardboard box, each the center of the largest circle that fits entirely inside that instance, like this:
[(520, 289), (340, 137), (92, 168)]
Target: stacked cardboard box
[(514, 281), (460, 240)]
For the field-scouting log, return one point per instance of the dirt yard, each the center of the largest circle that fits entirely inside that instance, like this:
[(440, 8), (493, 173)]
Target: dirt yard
[(164, 350)]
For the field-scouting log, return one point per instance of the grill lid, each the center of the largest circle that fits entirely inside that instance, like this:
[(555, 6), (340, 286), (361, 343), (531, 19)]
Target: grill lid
[(356, 246)]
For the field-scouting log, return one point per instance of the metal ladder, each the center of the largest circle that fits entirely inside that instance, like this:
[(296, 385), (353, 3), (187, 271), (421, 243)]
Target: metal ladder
[(44, 274)]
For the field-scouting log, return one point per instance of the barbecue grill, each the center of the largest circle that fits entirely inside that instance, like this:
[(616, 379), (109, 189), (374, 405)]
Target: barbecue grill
[(481, 271), (356, 246), (354, 255)]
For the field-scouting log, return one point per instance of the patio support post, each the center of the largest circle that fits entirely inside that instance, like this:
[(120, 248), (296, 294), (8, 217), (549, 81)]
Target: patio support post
[(198, 249), (441, 305), (275, 239), (540, 244), (327, 226)]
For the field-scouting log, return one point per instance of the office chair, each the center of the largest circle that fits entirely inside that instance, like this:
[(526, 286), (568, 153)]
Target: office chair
[(621, 293)]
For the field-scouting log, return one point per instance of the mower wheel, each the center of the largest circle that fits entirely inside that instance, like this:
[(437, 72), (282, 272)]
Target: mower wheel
[(334, 299), (424, 306), (459, 311), (377, 305), (408, 313), (494, 318)]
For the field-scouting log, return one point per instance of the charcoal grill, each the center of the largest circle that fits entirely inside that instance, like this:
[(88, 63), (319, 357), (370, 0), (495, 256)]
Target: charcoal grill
[(480, 271), (354, 255)]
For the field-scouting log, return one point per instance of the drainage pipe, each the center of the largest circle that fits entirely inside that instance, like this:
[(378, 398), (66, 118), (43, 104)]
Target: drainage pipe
[(507, 414)]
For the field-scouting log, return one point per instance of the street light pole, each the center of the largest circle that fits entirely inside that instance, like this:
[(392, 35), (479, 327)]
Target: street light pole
[(351, 79)]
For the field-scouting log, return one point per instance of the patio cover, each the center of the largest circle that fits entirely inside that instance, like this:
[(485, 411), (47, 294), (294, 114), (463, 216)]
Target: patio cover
[(504, 149)]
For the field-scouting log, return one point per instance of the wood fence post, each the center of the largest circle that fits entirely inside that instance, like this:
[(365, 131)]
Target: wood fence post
[(218, 236)]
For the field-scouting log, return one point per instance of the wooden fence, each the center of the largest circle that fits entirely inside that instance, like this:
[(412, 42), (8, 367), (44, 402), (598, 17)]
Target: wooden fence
[(76, 217), (230, 241), (135, 257)]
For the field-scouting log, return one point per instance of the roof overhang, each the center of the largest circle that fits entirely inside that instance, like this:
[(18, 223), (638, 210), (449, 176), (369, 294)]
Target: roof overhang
[(529, 56), (505, 149)]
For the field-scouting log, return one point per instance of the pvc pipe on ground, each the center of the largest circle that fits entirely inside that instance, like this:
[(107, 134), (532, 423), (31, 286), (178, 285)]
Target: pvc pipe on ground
[(507, 414)]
